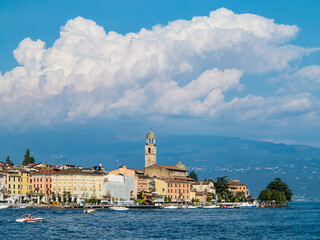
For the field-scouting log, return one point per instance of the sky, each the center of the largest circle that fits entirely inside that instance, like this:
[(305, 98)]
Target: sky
[(228, 68)]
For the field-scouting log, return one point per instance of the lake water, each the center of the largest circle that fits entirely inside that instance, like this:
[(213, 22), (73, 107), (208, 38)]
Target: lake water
[(298, 221)]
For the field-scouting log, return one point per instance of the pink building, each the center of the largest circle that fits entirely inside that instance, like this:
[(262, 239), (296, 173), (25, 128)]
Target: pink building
[(41, 183)]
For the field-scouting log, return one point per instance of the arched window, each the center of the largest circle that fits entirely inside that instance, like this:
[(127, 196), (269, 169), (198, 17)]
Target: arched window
[(149, 150)]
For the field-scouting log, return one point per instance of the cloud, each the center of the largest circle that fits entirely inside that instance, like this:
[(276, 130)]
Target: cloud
[(183, 68)]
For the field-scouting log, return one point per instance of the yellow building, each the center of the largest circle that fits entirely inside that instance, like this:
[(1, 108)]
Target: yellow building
[(77, 184), (18, 182), (161, 187)]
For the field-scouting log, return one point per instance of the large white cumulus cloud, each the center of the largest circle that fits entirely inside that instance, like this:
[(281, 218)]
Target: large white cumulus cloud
[(183, 68)]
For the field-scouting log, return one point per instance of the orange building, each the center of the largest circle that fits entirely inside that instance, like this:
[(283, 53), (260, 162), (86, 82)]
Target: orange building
[(179, 190), (236, 186)]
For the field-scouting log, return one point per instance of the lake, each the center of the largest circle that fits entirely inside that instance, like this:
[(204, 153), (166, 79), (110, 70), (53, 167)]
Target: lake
[(298, 221)]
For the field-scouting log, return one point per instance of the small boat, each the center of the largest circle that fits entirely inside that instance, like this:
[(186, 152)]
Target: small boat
[(171, 207), (228, 206), (247, 205), (30, 218), (119, 208), (211, 206), (89, 210), (192, 207), (183, 206), (3, 206)]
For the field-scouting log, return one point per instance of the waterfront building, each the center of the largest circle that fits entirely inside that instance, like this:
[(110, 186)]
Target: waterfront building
[(179, 190), (41, 186), (150, 150), (200, 196), (161, 187), (236, 186), (204, 186), (120, 184), (18, 182), (77, 184), (3, 189)]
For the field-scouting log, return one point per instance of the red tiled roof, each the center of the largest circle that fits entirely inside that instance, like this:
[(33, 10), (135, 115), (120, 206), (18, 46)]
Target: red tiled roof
[(44, 171), (76, 171), (236, 184), (170, 167)]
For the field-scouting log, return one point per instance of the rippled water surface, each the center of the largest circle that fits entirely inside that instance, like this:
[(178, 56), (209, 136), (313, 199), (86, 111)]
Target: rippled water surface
[(298, 221)]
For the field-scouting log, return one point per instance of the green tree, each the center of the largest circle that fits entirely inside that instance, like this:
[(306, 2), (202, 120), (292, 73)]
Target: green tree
[(8, 161), (209, 198), (265, 195), (27, 158), (222, 187), (240, 196), (193, 175), (275, 195), (282, 198), (277, 184)]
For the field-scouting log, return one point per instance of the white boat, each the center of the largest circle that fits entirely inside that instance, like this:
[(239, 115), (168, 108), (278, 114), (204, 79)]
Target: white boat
[(3, 206), (30, 218), (192, 207), (247, 205), (211, 206), (89, 210), (171, 207), (119, 208)]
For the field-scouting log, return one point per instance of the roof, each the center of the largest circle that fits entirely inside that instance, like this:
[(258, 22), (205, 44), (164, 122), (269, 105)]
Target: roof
[(174, 168), (180, 165), (185, 178), (150, 135), (236, 184), (76, 171), (175, 181), (202, 182), (44, 171)]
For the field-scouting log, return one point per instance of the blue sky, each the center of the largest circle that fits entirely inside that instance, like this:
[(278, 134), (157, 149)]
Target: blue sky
[(197, 67)]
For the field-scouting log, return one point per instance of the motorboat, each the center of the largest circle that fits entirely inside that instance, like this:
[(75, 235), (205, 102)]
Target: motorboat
[(171, 207), (29, 218), (247, 205), (192, 207), (183, 206), (119, 208), (211, 206), (89, 210), (3, 206), (228, 206)]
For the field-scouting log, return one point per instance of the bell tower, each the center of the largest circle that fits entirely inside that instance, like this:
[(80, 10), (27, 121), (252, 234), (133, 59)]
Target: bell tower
[(150, 149)]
